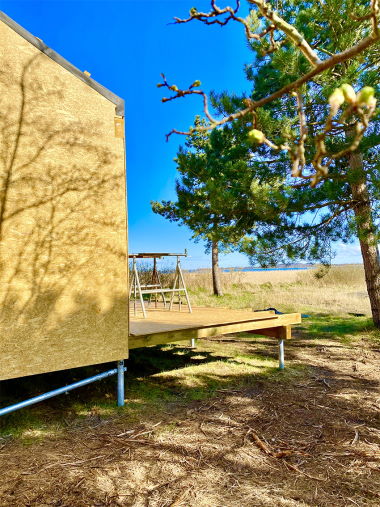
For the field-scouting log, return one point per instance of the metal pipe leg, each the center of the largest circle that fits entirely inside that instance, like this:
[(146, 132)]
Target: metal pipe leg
[(120, 383), (281, 355), (193, 343), (56, 392)]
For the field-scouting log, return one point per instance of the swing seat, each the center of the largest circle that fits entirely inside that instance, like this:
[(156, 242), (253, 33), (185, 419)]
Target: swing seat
[(138, 290)]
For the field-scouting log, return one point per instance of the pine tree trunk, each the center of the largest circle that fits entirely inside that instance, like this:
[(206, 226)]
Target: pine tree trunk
[(366, 233), (216, 284)]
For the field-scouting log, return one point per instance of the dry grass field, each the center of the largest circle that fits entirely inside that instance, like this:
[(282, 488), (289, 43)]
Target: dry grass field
[(341, 290), (218, 425)]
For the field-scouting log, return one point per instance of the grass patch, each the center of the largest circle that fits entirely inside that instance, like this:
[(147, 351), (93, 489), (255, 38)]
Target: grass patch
[(157, 378), (342, 328)]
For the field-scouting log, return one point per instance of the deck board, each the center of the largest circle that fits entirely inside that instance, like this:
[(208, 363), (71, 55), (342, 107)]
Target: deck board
[(160, 320), (164, 327)]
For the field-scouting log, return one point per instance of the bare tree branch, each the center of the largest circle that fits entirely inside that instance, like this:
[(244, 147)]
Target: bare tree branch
[(357, 114), (265, 9)]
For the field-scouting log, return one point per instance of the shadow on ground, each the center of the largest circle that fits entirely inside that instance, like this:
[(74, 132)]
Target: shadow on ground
[(256, 436)]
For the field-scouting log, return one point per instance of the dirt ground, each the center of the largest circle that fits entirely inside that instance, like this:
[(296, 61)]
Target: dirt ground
[(308, 440)]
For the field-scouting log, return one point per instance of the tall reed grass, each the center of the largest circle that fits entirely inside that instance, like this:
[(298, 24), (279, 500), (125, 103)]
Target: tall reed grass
[(347, 275), (340, 289)]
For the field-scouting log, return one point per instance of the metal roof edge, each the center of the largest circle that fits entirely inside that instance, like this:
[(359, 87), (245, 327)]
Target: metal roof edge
[(39, 44)]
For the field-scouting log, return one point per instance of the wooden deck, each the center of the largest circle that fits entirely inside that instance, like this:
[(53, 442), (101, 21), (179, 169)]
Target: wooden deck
[(162, 326)]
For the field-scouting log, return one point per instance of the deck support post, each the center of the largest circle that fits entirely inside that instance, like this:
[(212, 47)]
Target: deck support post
[(281, 354), (120, 383), (193, 343)]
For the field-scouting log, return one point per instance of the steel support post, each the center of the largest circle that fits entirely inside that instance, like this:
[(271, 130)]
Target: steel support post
[(281, 354), (120, 383)]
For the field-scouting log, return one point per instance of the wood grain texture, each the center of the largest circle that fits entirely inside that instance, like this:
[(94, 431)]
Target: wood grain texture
[(163, 320), (283, 332), (63, 269), (205, 322)]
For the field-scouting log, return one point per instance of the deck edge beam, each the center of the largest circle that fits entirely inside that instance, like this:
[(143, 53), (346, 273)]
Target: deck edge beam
[(282, 321)]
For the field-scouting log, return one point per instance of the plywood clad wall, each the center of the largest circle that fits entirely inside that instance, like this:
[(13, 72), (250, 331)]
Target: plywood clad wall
[(63, 280)]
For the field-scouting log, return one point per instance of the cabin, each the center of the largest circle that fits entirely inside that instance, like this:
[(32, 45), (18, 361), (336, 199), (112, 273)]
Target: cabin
[(64, 298)]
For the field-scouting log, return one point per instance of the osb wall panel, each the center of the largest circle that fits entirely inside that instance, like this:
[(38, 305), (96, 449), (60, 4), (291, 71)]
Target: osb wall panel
[(63, 281)]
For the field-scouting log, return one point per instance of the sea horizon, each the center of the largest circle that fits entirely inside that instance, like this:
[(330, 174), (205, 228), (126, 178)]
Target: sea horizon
[(281, 267), (285, 268)]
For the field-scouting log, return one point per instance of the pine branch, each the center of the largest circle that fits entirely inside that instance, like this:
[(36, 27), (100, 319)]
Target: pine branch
[(360, 114)]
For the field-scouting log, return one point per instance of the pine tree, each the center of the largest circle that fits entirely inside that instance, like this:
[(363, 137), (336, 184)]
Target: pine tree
[(347, 204), (213, 191), (315, 78)]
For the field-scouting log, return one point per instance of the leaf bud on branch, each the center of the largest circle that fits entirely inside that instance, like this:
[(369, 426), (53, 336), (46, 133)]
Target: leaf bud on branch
[(256, 136), (349, 93)]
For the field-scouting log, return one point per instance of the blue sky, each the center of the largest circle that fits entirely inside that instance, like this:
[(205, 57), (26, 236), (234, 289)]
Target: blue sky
[(125, 45)]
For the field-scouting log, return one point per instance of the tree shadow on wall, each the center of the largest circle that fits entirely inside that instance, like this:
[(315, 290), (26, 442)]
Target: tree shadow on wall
[(62, 217)]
